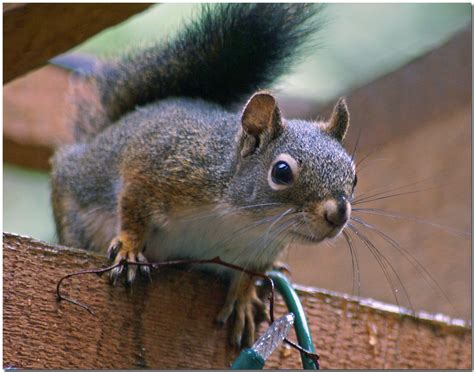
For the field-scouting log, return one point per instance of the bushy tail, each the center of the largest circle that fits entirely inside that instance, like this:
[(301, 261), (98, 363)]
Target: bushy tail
[(226, 53)]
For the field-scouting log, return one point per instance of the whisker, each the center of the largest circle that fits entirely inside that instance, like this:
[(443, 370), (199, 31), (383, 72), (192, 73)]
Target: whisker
[(357, 142), (245, 228), (425, 274), (284, 226), (354, 261), (222, 213), (360, 169), (308, 226), (261, 248), (373, 151), (390, 214), (370, 199), (258, 251), (263, 243), (376, 192), (381, 264), (258, 205), (278, 219), (382, 259)]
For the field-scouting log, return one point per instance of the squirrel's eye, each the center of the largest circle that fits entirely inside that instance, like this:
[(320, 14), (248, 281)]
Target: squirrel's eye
[(282, 174), (355, 182)]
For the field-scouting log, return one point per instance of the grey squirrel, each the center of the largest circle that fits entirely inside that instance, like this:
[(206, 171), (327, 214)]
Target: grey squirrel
[(162, 169)]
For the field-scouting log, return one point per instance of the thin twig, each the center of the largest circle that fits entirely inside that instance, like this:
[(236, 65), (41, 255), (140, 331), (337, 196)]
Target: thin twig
[(156, 265), (313, 356)]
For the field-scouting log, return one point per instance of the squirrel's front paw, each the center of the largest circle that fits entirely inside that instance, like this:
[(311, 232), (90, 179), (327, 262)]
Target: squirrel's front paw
[(121, 250), (244, 304)]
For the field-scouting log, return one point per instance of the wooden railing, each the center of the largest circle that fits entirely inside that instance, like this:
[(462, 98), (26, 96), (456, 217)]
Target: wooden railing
[(170, 322)]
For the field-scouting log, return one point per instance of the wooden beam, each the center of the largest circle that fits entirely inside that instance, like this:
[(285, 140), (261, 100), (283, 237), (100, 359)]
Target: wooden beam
[(433, 86), (169, 323), (35, 116), (35, 33)]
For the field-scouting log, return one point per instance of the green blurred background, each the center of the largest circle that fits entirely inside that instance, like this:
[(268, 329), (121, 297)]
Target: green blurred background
[(359, 43)]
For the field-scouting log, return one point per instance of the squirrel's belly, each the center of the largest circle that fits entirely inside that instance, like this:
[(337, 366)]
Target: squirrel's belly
[(237, 242)]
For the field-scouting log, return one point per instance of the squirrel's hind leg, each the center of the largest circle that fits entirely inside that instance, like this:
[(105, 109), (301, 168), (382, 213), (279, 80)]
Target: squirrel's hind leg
[(244, 304)]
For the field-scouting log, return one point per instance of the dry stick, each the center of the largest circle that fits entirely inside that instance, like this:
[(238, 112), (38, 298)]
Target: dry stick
[(156, 265)]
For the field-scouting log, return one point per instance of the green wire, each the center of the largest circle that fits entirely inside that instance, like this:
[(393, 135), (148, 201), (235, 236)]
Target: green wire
[(283, 285), (248, 359)]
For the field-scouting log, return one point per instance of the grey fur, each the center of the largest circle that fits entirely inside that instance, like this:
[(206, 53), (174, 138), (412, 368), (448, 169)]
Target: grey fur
[(177, 139), (183, 177)]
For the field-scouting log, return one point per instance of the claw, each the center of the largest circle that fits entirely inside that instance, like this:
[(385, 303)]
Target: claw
[(113, 249), (225, 312), (115, 274), (239, 326), (243, 333), (261, 311), (131, 274), (242, 303), (235, 340), (121, 253), (146, 272), (249, 329)]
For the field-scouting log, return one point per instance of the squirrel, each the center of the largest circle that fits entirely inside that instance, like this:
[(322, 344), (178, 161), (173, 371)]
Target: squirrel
[(163, 168)]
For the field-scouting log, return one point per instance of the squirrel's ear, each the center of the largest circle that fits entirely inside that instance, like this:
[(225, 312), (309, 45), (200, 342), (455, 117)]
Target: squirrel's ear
[(261, 122), (339, 121)]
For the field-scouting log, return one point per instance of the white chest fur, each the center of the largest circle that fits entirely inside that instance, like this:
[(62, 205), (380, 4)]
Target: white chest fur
[(249, 243)]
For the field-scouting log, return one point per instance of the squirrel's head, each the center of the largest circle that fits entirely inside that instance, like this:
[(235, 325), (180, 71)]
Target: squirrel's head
[(298, 168)]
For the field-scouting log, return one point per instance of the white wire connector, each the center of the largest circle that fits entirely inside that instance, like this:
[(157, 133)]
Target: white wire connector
[(274, 335)]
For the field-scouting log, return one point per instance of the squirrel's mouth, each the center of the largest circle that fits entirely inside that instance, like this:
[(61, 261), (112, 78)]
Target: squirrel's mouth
[(306, 237), (314, 238)]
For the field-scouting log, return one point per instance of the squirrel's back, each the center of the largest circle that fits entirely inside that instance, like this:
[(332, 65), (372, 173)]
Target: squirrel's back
[(227, 52)]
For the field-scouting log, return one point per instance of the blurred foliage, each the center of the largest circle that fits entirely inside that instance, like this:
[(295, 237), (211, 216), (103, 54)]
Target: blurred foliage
[(26, 206), (359, 43)]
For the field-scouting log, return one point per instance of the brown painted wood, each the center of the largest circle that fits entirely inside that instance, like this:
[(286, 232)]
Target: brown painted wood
[(436, 85), (169, 323), (34, 117), (35, 33)]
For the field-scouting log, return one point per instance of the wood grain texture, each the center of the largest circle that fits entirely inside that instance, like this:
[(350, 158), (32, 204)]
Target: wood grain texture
[(35, 33), (169, 323)]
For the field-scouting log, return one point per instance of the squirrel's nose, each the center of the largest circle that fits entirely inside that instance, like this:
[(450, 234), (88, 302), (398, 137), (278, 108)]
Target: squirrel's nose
[(337, 211)]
